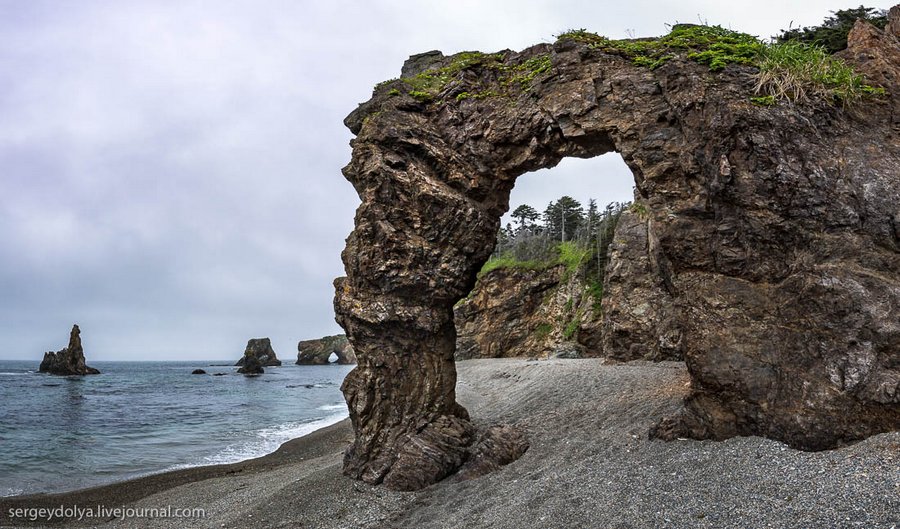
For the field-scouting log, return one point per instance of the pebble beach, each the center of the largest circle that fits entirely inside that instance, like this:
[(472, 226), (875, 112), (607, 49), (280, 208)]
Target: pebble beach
[(590, 464)]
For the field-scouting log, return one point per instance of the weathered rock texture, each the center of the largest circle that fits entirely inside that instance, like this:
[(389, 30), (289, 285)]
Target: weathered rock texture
[(777, 235), (639, 319), (259, 351), (512, 312), (318, 352), (68, 361)]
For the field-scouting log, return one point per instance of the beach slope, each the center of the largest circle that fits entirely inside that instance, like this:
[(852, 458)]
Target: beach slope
[(590, 464)]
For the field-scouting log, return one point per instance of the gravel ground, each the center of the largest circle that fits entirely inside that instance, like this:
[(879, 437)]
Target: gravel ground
[(590, 465)]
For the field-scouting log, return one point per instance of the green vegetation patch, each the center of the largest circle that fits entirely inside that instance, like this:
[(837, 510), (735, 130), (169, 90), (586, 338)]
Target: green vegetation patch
[(572, 255), (595, 290), (572, 326), (711, 45), (508, 261), (427, 85), (523, 74), (788, 70), (763, 101), (801, 72), (569, 253), (832, 33), (543, 330)]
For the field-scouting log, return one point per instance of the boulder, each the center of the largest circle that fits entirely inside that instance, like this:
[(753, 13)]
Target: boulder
[(68, 361), (198, 372)]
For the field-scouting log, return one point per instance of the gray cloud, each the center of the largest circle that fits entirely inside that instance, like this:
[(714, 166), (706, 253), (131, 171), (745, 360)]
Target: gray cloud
[(171, 170)]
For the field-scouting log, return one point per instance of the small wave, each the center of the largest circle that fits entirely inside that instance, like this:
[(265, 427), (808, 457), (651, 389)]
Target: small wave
[(269, 439), (331, 407), (9, 491), (11, 374)]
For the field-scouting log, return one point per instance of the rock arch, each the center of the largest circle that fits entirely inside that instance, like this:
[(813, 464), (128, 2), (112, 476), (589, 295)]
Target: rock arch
[(776, 231)]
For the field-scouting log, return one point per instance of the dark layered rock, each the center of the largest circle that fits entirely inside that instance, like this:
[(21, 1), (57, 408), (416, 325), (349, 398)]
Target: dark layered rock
[(319, 351), (68, 361), (251, 366), (639, 317), (259, 351), (775, 233)]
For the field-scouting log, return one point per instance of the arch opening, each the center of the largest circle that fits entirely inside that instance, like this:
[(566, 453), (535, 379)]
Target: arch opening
[(542, 292)]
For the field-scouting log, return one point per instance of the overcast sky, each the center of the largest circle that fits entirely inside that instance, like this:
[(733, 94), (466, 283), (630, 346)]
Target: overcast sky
[(170, 170)]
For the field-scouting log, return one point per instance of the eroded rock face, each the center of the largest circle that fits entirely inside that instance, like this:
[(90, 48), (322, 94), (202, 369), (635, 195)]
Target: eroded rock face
[(639, 317), (319, 351), (774, 228), (258, 352), (68, 361), (508, 314)]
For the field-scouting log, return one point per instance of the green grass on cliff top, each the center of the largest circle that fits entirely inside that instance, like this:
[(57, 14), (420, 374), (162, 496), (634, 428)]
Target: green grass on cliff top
[(792, 70), (567, 253), (427, 85), (789, 71)]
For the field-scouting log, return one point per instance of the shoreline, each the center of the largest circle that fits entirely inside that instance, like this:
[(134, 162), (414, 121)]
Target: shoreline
[(87, 432), (590, 464), (119, 493)]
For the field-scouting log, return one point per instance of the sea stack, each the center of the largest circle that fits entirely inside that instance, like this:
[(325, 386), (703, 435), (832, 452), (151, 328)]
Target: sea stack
[(259, 354), (69, 361), (318, 352)]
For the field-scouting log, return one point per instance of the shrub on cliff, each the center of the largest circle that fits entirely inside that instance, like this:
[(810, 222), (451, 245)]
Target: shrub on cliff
[(831, 35)]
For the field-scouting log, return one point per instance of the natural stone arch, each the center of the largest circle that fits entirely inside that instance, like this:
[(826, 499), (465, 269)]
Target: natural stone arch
[(770, 227)]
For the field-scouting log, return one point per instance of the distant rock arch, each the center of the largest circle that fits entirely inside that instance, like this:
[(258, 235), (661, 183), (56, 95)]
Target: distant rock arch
[(323, 351), (775, 230)]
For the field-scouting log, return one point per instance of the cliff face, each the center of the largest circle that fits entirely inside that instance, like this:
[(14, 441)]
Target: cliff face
[(639, 319), (774, 230), (553, 312), (318, 352), (68, 361), (511, 312)]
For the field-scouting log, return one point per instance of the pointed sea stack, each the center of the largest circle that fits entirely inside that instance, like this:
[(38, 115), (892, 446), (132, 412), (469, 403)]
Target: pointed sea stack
[(69, 361)]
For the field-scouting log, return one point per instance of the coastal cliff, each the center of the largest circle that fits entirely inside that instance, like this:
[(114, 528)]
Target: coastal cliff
[(772, 226), (319, 351), (68, 361)]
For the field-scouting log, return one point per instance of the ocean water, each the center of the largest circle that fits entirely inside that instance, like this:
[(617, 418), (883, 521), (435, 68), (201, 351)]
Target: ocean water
[(138, 418)]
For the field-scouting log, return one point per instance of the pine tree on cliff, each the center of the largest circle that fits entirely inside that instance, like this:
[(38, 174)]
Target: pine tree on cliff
[(563, 217), (832, 33), (525, 215)]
